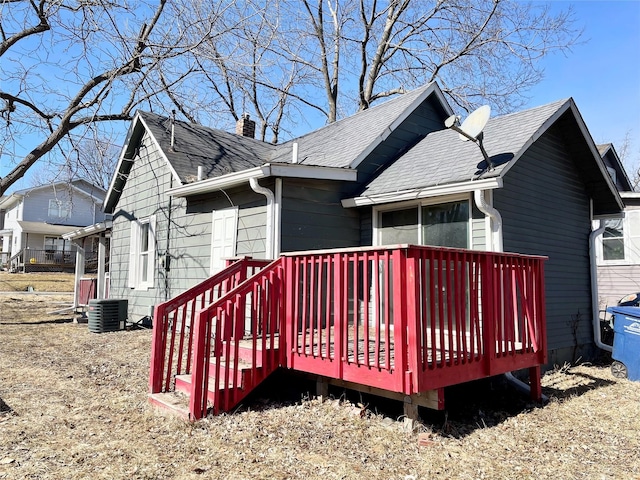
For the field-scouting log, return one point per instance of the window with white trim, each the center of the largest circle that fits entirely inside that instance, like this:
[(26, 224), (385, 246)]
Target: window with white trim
[(59, 208), (142, 253), (442, 224), (613, 240), (620, 241)]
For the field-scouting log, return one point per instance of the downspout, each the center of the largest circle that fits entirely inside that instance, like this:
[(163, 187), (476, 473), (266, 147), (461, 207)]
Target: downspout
[(494, 217), (270, 228), (277, 210), (497, 246), (595, 306)]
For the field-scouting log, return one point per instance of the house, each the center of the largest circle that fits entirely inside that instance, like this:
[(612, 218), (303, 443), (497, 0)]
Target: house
[(36, 219), (617, 245), (185, 197)]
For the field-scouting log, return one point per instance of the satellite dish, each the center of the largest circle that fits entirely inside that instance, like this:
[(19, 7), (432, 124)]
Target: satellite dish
[(475, 123), (471, 128)]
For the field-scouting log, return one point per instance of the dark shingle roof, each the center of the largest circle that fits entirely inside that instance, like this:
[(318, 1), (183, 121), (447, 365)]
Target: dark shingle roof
[(442, 157), (219, 152), (341, 143), (335, 145)]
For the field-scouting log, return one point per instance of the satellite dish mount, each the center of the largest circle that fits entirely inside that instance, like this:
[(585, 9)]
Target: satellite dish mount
[(472, 128)]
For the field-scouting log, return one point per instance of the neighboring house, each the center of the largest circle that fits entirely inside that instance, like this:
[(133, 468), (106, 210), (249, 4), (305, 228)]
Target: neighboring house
[(618, 245), (184, 197), (36, 219)]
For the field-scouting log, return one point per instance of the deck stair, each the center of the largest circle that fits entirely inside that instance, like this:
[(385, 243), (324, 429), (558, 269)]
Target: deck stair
[(402, 321)]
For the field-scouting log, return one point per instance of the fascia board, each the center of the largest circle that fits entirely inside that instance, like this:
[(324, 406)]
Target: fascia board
[(122, 158), (11, 201), (218, 183), (89, 230), (428, 192), (630, 194), (433, 88), (266, 170), (594, 151), (316, 173), (136, 124)]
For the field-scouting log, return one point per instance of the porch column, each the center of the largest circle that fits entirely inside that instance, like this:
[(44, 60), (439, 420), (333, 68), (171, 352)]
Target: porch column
[(102, 247), (80, 256)]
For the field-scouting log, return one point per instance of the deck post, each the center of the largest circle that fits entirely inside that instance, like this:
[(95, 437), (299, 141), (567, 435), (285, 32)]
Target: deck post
[(412, 318), (411, 413), (322, 389), (535, 383), (339, 316), (398, 257), (487, 291)]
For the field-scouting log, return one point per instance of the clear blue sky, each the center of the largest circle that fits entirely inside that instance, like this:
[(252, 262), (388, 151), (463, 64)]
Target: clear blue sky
[(602, 74)]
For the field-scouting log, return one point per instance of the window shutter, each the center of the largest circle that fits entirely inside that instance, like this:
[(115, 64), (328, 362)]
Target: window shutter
[(133, 254), (224, 227)]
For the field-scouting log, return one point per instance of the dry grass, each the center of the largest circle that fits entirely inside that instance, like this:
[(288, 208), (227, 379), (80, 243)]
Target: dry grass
[(40, 282), (73, 405)]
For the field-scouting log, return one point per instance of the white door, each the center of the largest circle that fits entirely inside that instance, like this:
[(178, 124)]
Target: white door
[(223, 237)]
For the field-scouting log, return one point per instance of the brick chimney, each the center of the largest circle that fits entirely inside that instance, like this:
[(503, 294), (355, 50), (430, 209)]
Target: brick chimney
[(245, 126)]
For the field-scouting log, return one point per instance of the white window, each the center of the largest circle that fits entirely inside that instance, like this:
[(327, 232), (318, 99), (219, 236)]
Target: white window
[(224, 225), (142, 253), (59, 208), (613, 240), (443, 224), (620, 241)]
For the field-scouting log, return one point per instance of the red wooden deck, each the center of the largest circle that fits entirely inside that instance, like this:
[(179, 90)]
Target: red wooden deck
[(405, 320)]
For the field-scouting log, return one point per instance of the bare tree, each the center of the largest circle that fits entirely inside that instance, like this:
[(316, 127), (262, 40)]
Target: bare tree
[(478, 50), (240, 69), (90, 159), (69, 66)]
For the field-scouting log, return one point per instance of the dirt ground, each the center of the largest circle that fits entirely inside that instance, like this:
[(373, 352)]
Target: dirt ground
[(37, 282), (73, 405)]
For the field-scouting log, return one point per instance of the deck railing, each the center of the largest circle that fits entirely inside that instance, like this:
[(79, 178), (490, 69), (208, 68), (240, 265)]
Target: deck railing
[(30, 259), (413, 318), (403, 318), (171, 352), (251, 314)]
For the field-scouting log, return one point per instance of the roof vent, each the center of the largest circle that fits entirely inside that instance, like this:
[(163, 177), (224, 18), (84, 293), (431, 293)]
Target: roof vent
[(245, 126)]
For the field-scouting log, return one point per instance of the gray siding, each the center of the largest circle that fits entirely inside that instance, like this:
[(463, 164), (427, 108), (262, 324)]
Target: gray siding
[(252, 216), (313, 217), (142, 196), (183, 231), (545, 211)]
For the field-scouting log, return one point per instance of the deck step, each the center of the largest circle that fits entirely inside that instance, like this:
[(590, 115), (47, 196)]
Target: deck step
[(183, 385), (175, 403), (242, 373)]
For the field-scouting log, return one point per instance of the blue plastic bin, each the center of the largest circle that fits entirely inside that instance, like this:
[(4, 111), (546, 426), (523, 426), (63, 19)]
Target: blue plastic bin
[(626, 342)]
